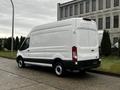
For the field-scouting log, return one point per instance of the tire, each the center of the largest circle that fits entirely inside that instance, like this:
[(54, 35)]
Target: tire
[(59, 69), (20, 63), (82, 71)]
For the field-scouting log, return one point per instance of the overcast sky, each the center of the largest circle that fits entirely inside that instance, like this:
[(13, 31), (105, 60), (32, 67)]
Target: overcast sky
[(28, 13)]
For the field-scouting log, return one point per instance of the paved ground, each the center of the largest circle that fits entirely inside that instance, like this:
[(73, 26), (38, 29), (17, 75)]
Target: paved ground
[(39, 78)]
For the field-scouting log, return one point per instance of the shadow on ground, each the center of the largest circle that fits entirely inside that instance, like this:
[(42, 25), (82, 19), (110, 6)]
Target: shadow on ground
[(50, 71)]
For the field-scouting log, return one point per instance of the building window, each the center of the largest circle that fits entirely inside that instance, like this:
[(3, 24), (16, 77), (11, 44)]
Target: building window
[(116, 21), (61, 12), (100, 3), (100, 23), (108, 3), (107, 22), (76, 9), (71, 10), (116, 3), (87, 6), (81, 7), (66, 11), (93, 5)]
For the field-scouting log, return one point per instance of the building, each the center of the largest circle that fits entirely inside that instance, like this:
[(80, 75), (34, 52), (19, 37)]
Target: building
[(105, 12)]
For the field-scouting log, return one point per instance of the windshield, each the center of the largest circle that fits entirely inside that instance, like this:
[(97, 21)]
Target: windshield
[(25, 44)]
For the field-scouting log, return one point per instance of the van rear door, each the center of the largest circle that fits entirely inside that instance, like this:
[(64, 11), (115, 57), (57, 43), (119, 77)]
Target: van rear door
[(88, 44)]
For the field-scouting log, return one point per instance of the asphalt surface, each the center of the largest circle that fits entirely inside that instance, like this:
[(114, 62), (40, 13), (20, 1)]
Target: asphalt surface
[(43, 78)]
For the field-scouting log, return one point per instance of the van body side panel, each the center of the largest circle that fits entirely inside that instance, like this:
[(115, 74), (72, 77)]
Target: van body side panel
[(51, 43)]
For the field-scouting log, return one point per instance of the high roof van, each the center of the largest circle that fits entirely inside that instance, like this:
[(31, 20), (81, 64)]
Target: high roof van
[(68, 44)]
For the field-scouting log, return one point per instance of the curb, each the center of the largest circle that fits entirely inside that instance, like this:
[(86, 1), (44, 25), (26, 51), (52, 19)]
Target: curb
[(8, 58), (105, 73)]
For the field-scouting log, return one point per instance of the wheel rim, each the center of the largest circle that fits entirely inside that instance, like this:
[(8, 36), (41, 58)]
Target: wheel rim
[(58, 70), (20, 63)]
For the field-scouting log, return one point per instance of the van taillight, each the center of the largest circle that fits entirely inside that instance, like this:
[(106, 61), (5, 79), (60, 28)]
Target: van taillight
[(74, 54)]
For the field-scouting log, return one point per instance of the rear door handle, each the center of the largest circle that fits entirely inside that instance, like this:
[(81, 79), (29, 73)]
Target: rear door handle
[(92, 50)]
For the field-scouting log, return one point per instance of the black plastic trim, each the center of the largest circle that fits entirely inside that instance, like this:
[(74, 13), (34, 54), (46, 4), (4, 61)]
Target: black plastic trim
[(69, 64)]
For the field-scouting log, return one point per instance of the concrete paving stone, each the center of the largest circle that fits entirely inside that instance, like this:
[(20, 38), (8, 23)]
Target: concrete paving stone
[(9, 81), (37, 87)]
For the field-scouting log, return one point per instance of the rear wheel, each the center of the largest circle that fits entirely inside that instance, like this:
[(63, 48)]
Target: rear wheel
[(59, 69), (21, 63)]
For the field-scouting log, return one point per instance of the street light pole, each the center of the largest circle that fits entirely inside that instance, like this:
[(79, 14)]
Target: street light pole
[(12, 39)]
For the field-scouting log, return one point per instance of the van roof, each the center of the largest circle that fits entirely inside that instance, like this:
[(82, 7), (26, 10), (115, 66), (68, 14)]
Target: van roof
[(57, 24), (53, 24)]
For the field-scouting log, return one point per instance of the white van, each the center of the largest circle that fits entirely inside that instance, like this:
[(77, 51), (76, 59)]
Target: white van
[(67, 44)]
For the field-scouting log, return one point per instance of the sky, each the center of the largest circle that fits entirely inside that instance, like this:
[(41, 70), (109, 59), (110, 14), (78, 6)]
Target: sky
[(28, 13)]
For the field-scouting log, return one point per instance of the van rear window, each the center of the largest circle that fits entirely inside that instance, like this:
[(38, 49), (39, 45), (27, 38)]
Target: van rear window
[(25, 44)]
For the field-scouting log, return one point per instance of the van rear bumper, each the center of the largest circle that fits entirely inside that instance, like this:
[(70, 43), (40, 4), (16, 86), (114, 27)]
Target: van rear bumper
[(82, 65)]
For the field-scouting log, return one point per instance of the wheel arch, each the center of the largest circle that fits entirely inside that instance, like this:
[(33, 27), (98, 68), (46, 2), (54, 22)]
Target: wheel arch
[(18, 57), (56, 60)]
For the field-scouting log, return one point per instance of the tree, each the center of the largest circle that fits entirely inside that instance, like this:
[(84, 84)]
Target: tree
[(119, 47), (106, 44), (0, 44), (8, 43), (16, 43)]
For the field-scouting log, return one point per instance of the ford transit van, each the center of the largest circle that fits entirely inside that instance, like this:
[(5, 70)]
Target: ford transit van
[(68, 44)]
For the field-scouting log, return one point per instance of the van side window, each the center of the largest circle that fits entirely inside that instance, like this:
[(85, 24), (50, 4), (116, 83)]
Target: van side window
[(25, 44)]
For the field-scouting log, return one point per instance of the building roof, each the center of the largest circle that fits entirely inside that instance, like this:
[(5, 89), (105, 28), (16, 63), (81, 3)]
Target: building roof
[(69, 2)]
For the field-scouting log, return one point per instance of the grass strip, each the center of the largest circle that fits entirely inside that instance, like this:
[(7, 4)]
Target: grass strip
[(110, 64), (8, 54)]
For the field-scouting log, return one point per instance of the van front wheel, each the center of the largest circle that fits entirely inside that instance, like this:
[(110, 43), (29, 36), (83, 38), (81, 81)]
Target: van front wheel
[(21, 63), (59, 69)]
